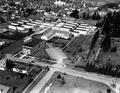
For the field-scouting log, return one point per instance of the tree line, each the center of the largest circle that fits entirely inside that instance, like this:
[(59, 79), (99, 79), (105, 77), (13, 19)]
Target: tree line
[(106, 69)]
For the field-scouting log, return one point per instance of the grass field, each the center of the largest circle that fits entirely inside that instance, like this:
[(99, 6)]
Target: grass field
[(78, 47), (111, 57), (13, 79), (41, 53), (70, 84)]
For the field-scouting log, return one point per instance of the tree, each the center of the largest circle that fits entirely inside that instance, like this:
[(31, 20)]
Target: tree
[(22, 75), (94, 40), (99, 24), (14, 89), (2, 20), (94, 16), (106, 44), (63, 80), (31, 31), (47, 9), (106, 30), (59, 76), (75, 14), (108, 90), (84, 15), (113, 49), (9, 64)]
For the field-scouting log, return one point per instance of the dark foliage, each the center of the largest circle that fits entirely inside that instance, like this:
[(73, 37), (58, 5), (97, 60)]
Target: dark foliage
[(106, 69), (94, 40), (75, 14), (9, 64), (113, 49), (106, 44)]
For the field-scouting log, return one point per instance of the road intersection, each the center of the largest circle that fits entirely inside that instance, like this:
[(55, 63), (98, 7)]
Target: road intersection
[(61, 67)]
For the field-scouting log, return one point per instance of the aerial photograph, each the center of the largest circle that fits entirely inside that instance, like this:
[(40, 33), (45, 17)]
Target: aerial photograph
[(59, 46)]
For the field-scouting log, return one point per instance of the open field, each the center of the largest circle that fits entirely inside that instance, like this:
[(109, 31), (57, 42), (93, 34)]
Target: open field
[(64, 83), (112, 57), (89, 22), (41, 53), (13, 48), (78, 47)]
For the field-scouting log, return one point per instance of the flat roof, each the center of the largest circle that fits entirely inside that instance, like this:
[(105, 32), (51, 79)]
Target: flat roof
[(31, 24), (15, 24), (32, 43), (68, 27)]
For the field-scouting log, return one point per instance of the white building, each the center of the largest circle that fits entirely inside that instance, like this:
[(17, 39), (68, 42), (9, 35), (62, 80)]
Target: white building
[(48, 35), (27, 26), (60, 24), (81, 32), (60, 29), (25, 21), (59, 3), (32, 24), (75, 34), (12, 27), (20, 28)]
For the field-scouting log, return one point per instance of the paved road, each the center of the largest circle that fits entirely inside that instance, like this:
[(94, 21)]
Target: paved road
[(91, 76), (42, 82), (60, 66), (56, 53)]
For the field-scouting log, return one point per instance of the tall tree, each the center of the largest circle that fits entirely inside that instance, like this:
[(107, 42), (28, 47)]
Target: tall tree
[(9, 64), (94, 40), (106, 44), (75, 14)]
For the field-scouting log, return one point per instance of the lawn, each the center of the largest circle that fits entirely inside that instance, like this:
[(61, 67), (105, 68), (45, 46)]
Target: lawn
[(111, 57), (65, 83), (90, 22), (41, 53), (60, 42), (14, 79), (13, 48), (79, 47)]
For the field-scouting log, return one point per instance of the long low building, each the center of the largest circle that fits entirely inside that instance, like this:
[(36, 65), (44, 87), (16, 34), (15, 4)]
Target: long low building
[(48, 35), (60, 29), (81, 32)]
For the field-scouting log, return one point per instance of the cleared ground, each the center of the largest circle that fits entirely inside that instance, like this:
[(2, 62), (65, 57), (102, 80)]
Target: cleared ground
[(69, 84)]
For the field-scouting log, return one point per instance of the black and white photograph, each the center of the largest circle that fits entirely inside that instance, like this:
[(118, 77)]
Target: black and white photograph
[(59, 46)]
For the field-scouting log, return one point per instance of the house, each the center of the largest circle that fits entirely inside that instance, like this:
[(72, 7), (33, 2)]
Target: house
[(32, 45)]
